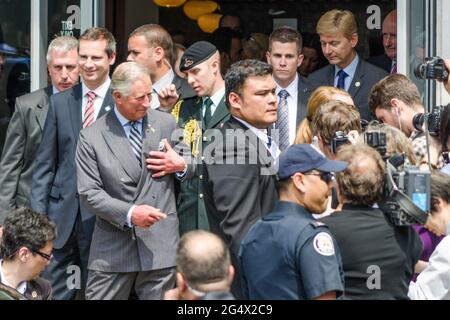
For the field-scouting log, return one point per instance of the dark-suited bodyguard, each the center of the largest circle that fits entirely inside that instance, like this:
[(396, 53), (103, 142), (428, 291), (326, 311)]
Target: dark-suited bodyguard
[(197, 116), (54, 184), (285, 56), (151, 45), (288, 254), (25, 128), (338, 33), (136, 230), (26, 250), (239, 183), (378, 257)]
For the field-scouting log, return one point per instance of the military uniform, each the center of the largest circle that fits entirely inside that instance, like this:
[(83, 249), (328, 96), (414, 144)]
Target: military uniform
[(289, 255), (190, 203)]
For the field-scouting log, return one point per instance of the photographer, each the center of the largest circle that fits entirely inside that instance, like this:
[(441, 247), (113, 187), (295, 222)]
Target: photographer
[(432, 283), (395, 100), (378, 258)]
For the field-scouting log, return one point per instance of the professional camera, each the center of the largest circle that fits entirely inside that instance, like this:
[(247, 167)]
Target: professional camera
[(433, 120), (376, 140), (339, 139), (432, 68), (406, 198)]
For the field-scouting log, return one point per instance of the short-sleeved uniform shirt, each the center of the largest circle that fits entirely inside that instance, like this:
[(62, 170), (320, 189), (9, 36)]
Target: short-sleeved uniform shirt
[(289, 255)]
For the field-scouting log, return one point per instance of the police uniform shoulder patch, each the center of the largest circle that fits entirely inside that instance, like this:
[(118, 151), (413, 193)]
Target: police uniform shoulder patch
[(323, 244), (317, 224)]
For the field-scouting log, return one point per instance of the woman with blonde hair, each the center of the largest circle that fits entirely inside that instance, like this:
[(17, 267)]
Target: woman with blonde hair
[(320, 96)]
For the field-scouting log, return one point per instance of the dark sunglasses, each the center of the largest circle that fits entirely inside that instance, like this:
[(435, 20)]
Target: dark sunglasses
[(43, 255), (326, 177)]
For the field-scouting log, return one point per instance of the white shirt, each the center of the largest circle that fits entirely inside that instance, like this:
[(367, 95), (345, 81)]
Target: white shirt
[(292, 89), (100, 94), (215, 98), (433, 283), (160, 84), (22, 286), (262, 135)]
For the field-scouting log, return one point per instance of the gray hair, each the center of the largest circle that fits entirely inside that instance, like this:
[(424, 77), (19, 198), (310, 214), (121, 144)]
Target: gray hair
[(125, 75), (62, 44)]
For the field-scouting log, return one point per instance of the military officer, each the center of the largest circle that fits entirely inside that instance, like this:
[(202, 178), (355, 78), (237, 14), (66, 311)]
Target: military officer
[(287, 254), (198, 116)]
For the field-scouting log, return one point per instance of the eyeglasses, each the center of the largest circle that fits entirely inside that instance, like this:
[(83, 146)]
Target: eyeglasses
[(326, 177), (47, 257)]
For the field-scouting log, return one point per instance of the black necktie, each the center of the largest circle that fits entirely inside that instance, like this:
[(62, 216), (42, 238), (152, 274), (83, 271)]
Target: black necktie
[(207, 117)]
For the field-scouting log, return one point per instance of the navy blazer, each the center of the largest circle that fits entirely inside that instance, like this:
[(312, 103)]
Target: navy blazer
[(366, 76), (54, 183)]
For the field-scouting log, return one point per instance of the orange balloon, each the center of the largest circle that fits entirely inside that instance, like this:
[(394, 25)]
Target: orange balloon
[(194, 8), (209, 22), (169, 3)]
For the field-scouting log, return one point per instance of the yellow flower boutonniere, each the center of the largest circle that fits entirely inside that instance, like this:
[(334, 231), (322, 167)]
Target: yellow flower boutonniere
[(192, 135)]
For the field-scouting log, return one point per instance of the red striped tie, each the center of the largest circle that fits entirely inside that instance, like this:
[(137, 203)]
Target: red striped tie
[(88, 117)]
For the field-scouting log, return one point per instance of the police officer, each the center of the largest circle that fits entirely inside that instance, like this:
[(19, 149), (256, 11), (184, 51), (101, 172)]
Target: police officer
[(287, 254), (201, 63)]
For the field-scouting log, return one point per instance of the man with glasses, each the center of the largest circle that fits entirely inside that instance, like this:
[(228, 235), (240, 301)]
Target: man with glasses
[(26, 250), (288, 255)]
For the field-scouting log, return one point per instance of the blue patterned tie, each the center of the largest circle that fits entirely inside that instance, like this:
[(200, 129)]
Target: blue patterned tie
[(283, 120), (136, 141), (341, 79)]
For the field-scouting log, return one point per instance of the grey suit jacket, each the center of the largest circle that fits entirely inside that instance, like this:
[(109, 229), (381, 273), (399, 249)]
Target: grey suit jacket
[(366, 76), (21, 145), (54, 184), (110, 181)]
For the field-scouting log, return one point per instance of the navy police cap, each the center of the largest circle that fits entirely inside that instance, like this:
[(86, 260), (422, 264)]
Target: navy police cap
[(304, 158)]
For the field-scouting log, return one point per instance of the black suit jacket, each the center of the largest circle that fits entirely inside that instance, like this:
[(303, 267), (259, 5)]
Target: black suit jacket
[(366, 76), (381, 61), (54, 183), (237, 195)]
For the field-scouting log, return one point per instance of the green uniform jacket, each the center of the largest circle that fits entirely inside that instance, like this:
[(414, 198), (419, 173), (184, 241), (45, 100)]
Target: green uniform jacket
[(190, 204)]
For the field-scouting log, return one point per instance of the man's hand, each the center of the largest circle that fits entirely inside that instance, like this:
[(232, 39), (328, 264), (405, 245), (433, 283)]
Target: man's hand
[(447, 83), (145, 216), (168, 96), (172, 294), (162, 163)]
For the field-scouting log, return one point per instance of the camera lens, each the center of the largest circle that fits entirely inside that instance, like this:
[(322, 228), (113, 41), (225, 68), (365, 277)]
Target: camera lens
[(419, 71), (418, 121)]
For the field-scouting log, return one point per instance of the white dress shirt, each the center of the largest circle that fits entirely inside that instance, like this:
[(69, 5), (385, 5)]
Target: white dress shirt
[(160, 84), (272, 147), (433, 283), (292, 89), (22, 286), (100, 94)]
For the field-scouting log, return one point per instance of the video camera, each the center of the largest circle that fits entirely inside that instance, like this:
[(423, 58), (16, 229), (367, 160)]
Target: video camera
[(339, 139), (433, 120), (432, 68), (406, 196)]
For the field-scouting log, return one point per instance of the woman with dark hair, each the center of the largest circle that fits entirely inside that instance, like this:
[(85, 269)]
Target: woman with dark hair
[(312, 52)]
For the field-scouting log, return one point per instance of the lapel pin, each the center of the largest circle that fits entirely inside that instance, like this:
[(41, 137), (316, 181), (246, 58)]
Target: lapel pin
[(357, 84), (34, 294), (150, 128), (108, 108)]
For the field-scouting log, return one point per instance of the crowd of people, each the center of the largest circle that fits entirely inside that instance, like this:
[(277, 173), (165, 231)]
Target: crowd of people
[(235, 168)]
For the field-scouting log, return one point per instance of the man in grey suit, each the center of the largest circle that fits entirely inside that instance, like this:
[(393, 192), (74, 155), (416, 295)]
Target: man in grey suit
[(151, 45), (25, 129), (338, 33), (54, 184), (285, 56), (136, 231)]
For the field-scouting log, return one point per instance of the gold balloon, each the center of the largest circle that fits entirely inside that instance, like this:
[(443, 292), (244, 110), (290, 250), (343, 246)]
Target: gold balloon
[(209, 22), (169, 3), (195, 8)]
